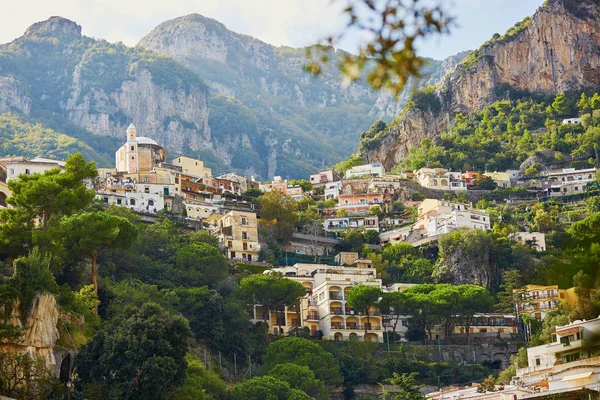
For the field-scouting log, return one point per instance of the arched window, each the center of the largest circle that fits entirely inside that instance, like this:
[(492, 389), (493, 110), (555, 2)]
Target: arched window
[(151, 203), (132, 202), (132, 148)]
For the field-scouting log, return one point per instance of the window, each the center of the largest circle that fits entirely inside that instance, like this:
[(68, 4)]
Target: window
[(244, 246), (119, 201), (165, 191), (244, 221), (106, 200), (244, 235), (132, 202), (151, 203), (572, 357), (537, 361), (12, 171), (146, 189), (229, 244), (132, 148), (27, 171), (233, 254)]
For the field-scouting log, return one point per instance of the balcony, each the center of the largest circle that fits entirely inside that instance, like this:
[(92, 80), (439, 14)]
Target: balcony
[(312, 317), (336, 311), (335, 297), (340, 327)]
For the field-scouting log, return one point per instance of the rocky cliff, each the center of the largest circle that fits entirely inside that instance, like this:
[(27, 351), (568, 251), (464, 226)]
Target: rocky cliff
[(536, 55), (40, 331)]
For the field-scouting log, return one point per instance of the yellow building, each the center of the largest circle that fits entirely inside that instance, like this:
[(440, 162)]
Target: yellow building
[(539, 300), (238, 232), (191, 166)]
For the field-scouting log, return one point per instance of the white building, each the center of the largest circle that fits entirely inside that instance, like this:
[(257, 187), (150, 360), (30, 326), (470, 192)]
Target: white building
[(437, 217), (38, 165), (536, 240), (368, 222), (567, 181), (375, 169), (332, 190), (570, 362)]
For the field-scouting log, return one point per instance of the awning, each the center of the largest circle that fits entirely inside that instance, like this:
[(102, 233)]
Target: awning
[(577, 376)]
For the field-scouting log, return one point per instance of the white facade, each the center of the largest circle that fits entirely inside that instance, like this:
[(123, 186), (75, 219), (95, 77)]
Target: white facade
[(36, 165), (370, 222), (375, 169), (571, 361), (437, 217), (537, 240), (332, 190), (567, 181)]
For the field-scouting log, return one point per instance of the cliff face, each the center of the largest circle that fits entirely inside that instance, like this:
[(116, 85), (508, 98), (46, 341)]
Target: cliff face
[(301, 122), (40, 331), (97, 88), (558, 50)]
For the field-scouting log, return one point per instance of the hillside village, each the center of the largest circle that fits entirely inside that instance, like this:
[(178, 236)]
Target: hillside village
[(416, 208)]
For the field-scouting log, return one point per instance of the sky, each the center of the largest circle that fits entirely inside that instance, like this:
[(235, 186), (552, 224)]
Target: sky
[(293, 23)]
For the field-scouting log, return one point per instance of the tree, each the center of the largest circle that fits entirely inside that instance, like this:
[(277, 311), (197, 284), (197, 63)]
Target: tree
[(590, 142), (506, 299), (587, 230), (303, 183), (273, 292), (278, 212), (138, 355), (407, 388), (303, 352), (363, 297), (472, 299), (561, 105), (199, 384), (394, 304), (299, 377), (53, 193), (204, 236), (90, 233), (390, 56), (266, 388), (201, 264)]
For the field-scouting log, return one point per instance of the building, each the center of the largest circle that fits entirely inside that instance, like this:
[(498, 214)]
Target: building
[(567, 181), (571, 121), (534, 240), (504, 179), (332, 190), (359, 203), (324, 177), (244, 183), (370, 170), (433, 178), (367, 222), (569, 364), (437, 217), (192, 167), (295, 192), (138, 154), (17, 166), (238, 233), (324, 309), (539, 300), (470, 178)]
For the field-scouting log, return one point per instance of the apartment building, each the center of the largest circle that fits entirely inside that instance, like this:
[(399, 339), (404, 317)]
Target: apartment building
[(567, 181), (567, 365), (539, 300), (324, 177), (504, 179), (324, 309), (368, 222), (437, 217), (238, 233), (370, 170), (360, 203), (16, 166)]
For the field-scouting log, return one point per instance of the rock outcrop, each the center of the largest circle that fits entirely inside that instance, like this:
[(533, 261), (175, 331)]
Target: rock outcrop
[(557, 50), (40, 331)]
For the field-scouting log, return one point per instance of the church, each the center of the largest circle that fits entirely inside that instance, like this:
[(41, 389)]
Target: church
[(139, 154)]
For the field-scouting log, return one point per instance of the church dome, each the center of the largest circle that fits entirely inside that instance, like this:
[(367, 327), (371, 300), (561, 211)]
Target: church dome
[(146, 140)]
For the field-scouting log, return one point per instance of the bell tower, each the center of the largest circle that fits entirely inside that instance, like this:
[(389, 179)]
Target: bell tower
[(132, 150)]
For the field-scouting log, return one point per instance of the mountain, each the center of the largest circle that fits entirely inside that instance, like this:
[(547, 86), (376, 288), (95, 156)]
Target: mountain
[(535, 56), (298, 122), (193, 86)]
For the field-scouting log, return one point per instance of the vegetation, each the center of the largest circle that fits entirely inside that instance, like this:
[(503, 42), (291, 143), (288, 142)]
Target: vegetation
[(506, 133)]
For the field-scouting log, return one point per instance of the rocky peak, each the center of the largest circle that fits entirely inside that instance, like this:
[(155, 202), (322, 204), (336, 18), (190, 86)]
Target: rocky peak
[(535, 56), (55, 26)]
